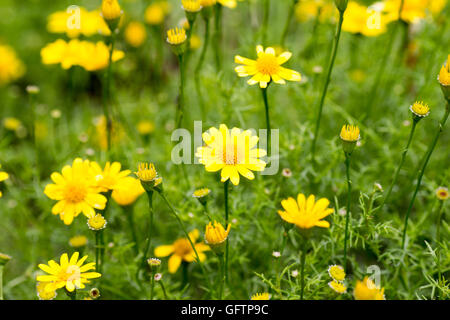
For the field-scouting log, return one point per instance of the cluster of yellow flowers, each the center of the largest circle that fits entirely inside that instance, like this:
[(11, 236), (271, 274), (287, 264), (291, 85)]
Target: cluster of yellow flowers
[(78, 189), (88, 55), (75, 23), (11, 68)]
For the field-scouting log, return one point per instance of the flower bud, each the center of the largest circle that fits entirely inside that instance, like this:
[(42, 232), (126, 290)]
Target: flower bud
[(154, 264), (444, 79), (4, 258), (215, 236), (341, 5), (111, 13), (349, 136)]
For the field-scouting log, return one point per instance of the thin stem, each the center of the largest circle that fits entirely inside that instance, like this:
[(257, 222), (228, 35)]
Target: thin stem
[(150, 228), (163, 289), (205, 47), (265, 21), (438, 238), (222, 275), (266, 105), (132, 227), (380, 72), (97, 250), (218, 36), (288, 22), (152, 285), (422, 170), (327, 82), (180, 109), (388, 192), (107, 93), (1, 282), (225, 194), (302, 268), (347, 216)]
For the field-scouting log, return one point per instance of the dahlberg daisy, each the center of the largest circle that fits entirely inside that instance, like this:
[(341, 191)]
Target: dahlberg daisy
[(71, 274), (442, 193), (97, 222), (419, 110), (336, 272), (261, 296), (444, 78), (215, 236), (337, 286)]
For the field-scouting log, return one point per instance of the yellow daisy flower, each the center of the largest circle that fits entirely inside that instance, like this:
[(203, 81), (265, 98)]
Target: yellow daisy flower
[(11, 68), (111, 9), (135, 34), (261, 296), (337, 286), (420, 109), (181, 250), (360, 19), (44, 295), (12, 124), (70, 274), (336, 272), (266, 68), (156, 12), (97, 222), (109, 178), (3, 175), (78, 241), (200, 193), (366, 290), (306, 213), (76, 191), (228, 3), (350, 133), (191, 5), (231, 151), (127, 192)]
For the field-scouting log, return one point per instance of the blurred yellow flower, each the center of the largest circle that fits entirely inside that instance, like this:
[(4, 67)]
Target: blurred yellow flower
[(88, 55), (135, 34), (76, 191), (441, 193), (111, 9), (181, 250), (207, 3), (232, 152), (156, 12), (145, 127), (306, 213), (191, 5), (12, 124), (200, 193), (261, 296), (361, 19), (78, 241), (117, 133), (109, 178), (90, 23), (366, 290), (266, 68), (43, 294), (309, 9), (70, 274), (196, 42), (444, 73), (228, 3), (3, 177), (413, 10), (127, 192), (11, 68)]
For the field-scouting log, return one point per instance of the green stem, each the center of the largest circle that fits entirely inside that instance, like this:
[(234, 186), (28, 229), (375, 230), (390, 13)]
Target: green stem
[(388, 192), (222, 275), (265, 21), (438, 239), (1, 282), (97, 250), (422, 170), (205, 47), (288, 22), (145, 254), (382, 65), (266, 105), (348, 214), (132, 227), (152, 285), (107, 93), (327, 82), (218, 36), (302, 268), (163, 289), (225, 193), (180, 109)]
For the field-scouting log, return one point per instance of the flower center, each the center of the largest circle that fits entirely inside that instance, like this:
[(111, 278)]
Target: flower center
[(71, 273), (182, 247), (267, 64), (75, 192)]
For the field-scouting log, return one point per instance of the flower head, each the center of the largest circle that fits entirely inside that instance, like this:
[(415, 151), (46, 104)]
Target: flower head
[(11, 68), (360, 19), (94, 293), (261, 296), (12, 124), (176, 36), (306, 213), (3, 175), (97, 222), (420, 109), (367, 290), (266, 68), (76, 191), (181, 250), (147, 174), (156, 12), (145, 127), (442, 193), (135, 34), (337, 286), (444, 78), (336, 272), (4, 258), (127, 192), (43, 294), (231, 151), (350, 133), (228, 3), (215, 235), (200, 193), (111, 9), (154, 263), (207, 3), (78, 241), (191, 5), (71, 274), (109, 178)]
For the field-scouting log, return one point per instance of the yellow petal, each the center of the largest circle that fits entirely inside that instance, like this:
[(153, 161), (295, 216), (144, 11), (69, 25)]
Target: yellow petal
[(164, 251), (174, 263)]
